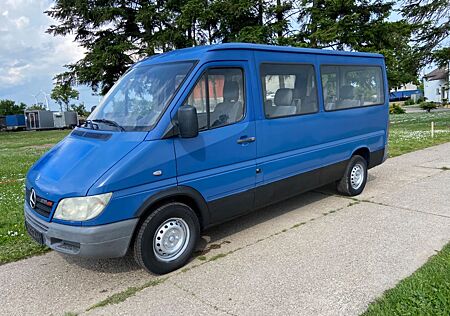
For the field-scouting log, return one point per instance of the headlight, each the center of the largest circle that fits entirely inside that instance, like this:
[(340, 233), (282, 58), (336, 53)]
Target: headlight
[(81, 208)]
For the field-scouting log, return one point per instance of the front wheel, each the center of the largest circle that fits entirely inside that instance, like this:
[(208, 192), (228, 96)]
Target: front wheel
[(355, 177), (167, 238)]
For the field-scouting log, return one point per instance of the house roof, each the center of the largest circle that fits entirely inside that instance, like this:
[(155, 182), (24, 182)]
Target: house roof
[(437, 74)]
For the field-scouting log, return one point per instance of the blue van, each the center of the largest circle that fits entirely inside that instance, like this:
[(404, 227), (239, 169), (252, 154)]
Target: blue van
[(194, 137)]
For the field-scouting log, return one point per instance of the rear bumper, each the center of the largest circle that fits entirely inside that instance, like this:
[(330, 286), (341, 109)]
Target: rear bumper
[(105, 241)]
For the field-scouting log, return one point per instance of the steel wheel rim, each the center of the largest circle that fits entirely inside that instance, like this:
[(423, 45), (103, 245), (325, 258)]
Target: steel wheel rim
[(357, 176), (171, 239)]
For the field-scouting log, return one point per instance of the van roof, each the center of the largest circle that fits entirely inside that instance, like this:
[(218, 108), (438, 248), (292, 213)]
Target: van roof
[(195, 52)]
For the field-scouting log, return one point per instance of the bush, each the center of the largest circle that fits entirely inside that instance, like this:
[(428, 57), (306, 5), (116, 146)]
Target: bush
[(428, 106), (396, 109), (409, 102)]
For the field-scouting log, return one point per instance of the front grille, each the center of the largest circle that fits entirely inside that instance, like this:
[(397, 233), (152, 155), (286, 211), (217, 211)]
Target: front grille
[(39, 225), (43, 206), (100, 136)]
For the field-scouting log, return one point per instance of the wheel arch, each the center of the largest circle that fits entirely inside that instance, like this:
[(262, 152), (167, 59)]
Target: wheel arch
[(183, 194), (363, 152)]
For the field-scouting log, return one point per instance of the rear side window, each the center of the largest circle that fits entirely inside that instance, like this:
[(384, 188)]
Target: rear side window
[(288, 89), (347, 87), (218, 97)]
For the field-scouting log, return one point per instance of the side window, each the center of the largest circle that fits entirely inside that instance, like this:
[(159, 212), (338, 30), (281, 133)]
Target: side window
[(288, 89), (218, 97), (351, 86)]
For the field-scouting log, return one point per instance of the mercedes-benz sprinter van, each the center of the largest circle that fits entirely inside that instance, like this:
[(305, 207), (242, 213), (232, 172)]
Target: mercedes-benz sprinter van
[(194, 137)]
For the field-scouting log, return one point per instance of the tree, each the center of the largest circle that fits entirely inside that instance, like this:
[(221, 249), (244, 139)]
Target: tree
[(348, 24), (80, 109), (116, 33), (360, 25), (433, 19), (8, 107), (108, 30), (62, 93), (442, 57), (428, 106), (38, 106)]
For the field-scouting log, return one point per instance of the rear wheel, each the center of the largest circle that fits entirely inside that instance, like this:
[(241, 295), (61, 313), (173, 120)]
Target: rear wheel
[(167, 238), (355, 177)]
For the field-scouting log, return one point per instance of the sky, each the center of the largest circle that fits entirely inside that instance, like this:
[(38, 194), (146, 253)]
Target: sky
[(29, 57)]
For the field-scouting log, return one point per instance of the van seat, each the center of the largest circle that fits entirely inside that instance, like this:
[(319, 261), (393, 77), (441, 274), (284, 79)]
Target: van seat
[(231, 109), (347, 98), (283, 103)]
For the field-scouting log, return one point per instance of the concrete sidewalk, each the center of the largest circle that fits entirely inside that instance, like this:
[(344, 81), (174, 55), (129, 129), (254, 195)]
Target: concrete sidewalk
[(315, 254)]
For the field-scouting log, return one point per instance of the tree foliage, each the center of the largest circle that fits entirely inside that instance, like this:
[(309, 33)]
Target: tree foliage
[(442, 57), (117, 33), (8, 107), (80, 109), (433, 18), (62, 93), (38, 106)]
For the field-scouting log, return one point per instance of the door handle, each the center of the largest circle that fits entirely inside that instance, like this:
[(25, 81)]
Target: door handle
[(246, 140)]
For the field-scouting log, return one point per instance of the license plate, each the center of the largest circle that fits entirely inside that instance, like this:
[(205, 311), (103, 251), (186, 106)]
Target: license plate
[(36, 235)]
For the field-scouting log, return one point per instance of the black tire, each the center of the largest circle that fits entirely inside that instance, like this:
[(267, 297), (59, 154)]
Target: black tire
[(144, 252), (345, 186)]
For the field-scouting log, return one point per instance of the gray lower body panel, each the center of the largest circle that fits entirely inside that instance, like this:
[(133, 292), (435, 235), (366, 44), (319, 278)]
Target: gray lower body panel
[(104, 241)]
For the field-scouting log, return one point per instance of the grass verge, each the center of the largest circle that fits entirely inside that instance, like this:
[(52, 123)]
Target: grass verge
[(412, 131), (425, 292), (19, 150)]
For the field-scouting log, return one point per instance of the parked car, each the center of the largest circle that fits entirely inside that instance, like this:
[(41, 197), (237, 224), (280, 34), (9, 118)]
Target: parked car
[(192, 138)]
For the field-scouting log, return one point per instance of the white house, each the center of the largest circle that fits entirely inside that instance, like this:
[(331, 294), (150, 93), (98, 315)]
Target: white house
[(435, 85)]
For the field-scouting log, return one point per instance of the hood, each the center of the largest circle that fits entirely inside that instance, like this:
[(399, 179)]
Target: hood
[(74, 164)]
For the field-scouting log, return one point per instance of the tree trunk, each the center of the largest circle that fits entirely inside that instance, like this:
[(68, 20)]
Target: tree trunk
[(313, 24), (279, 16), (260, 12)]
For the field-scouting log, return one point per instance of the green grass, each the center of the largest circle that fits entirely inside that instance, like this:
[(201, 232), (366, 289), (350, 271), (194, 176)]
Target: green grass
[(122, 296), (410, 132), (425, 292), (18, 151)]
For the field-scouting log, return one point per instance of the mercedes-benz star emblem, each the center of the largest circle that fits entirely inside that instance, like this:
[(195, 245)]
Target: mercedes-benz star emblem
[(33, 199)]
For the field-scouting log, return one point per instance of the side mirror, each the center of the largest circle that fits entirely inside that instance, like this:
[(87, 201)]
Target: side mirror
[(187, 121), (93, 108)]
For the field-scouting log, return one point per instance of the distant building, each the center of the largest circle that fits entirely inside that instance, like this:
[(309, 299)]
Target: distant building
[(435, 85), (406, 91)]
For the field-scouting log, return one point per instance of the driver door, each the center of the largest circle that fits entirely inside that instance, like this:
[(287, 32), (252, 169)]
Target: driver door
[(220, 161)]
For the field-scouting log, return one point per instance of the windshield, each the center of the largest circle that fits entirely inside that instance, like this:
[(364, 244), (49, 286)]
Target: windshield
[(139, 98)]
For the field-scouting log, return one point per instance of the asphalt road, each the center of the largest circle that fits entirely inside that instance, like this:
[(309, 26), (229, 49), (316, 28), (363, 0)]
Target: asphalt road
[(317, 253)]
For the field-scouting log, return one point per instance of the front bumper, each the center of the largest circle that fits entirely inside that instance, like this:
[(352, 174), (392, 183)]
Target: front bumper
[(104, 241)]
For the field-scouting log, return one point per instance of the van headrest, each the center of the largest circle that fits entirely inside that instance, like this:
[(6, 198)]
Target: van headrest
[(347, 92), (283, 97), (230, 91)]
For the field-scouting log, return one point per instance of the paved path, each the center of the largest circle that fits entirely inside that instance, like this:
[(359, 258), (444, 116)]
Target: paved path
[(315, 254), (417, 109)]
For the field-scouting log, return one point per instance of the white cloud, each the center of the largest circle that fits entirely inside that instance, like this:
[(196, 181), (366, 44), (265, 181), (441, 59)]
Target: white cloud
[(29, 57), (22, 22), (12, 75)]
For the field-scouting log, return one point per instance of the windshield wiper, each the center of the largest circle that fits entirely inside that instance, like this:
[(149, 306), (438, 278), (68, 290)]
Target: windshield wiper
[(89, 124), (109, 122)]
